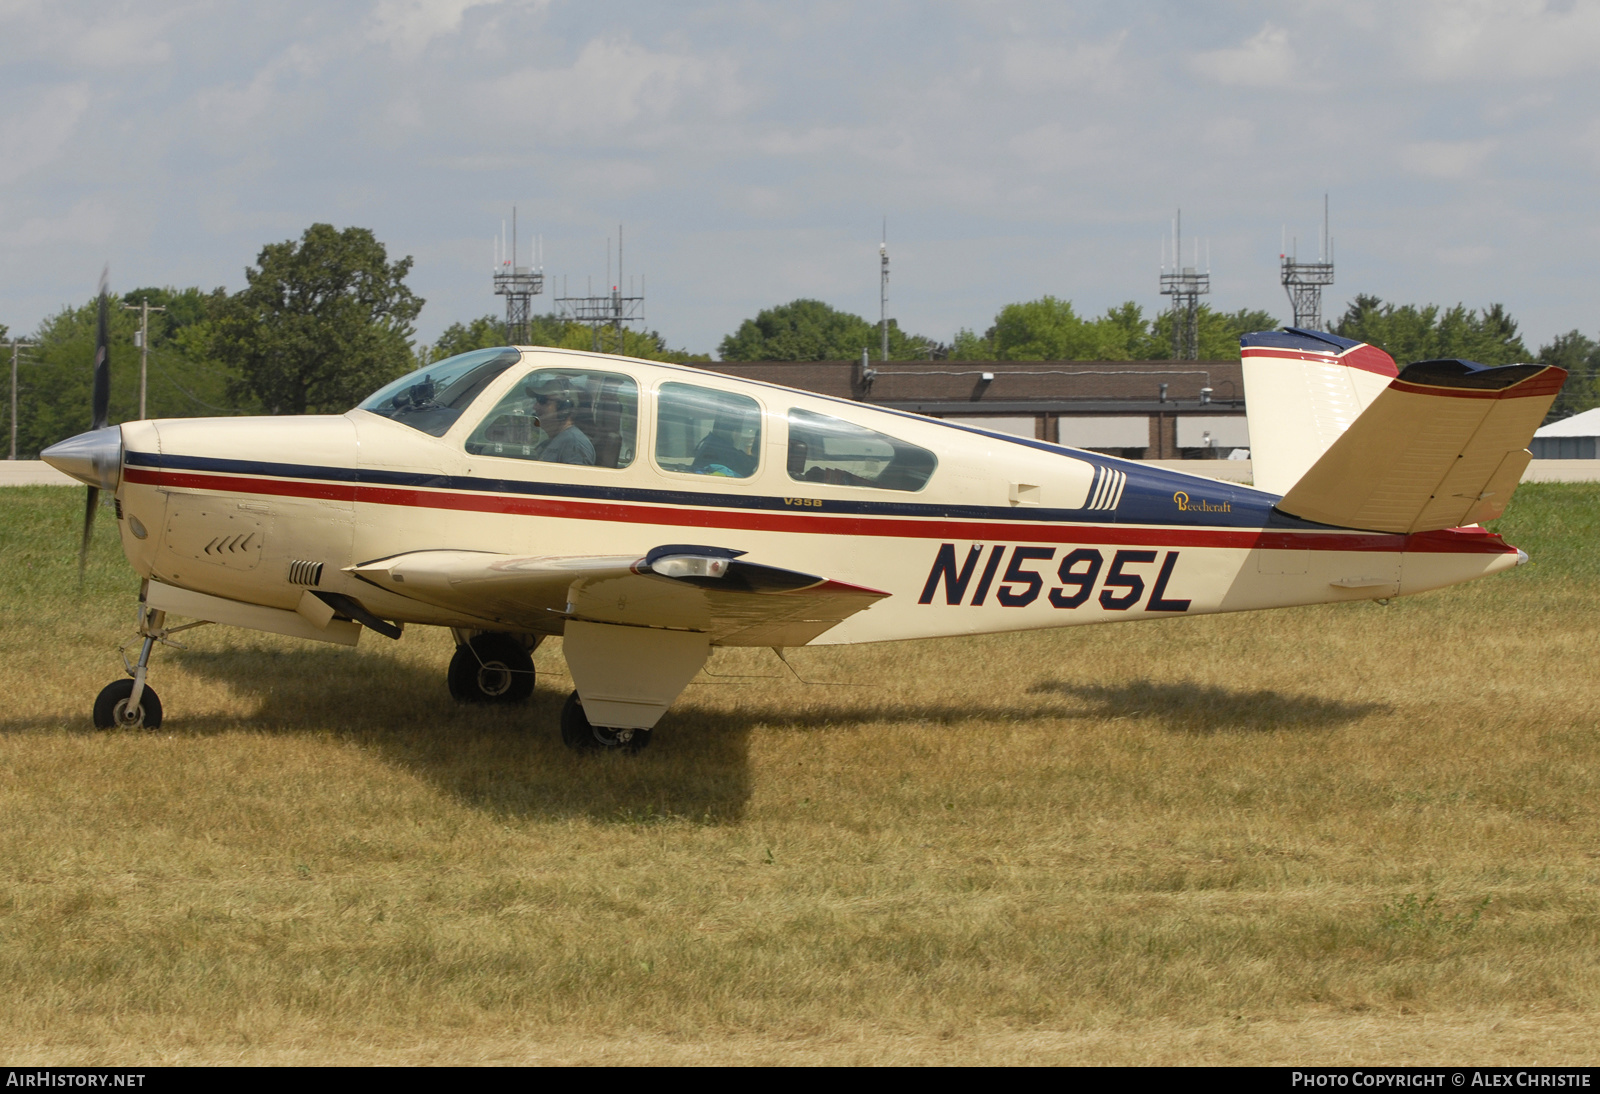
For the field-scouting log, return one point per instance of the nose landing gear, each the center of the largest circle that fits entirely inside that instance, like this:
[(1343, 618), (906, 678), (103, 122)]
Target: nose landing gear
[(132, 704)]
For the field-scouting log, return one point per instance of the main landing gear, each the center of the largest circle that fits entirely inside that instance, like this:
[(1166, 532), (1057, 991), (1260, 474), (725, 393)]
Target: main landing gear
[(132, 704), (578, 734), (490, 668)]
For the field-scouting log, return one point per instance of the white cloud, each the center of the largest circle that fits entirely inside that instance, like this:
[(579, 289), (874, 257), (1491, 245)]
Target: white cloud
[(1034, 65), (89, 221), (1445, 159), (1052, 148), (34, 135), (611, 85), (408, 26), (1264, 60), (105, 38), (1491, 40)]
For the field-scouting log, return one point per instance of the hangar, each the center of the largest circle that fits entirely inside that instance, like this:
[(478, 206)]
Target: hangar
[(1573, 438)]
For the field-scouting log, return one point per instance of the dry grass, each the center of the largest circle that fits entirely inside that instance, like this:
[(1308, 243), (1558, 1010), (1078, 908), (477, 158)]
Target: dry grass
[(1345, 834)]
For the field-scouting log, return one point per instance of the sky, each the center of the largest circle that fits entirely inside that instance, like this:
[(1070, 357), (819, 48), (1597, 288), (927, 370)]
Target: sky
[(752, 152)]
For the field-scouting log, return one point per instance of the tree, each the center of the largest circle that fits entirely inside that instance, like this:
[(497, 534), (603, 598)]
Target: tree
[(555, 330), (320, 325), (1049, 329), (1046, 329), (1409, 333), (54, 378), (1219, 332), (485, 332), (1580, 356), (809, 330)]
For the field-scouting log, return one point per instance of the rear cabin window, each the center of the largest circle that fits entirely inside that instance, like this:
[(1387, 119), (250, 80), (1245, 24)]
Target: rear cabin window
[(563, 415), (703, 431), (835, 452)]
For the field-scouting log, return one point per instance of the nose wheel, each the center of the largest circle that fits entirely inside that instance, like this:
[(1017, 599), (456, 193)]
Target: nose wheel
[(117, 708)]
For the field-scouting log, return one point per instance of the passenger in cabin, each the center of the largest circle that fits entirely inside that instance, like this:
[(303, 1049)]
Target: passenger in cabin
[(718, 452), (554, 403), (798, 452)]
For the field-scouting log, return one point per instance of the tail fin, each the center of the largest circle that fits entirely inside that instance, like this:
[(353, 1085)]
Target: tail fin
[(1303, 388), (1443, 445)]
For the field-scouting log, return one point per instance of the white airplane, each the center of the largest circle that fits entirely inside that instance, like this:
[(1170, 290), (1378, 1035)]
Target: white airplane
[(647, 513)]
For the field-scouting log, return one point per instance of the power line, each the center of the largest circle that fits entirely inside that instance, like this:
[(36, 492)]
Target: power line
[(195, 398)]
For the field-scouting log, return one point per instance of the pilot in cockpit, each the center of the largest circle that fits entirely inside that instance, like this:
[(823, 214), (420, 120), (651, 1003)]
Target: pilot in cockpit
[(554, 403)]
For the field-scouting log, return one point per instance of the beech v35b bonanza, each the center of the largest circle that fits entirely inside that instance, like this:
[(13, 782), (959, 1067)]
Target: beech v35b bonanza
[(647, 513)]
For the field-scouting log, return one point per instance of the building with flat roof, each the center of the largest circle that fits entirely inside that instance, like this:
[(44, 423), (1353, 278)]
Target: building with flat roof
[(1156, 410), (1574, 438)]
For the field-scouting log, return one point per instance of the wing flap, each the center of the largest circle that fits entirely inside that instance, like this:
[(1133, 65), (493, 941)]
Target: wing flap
[(1442, 446), (684, 587)]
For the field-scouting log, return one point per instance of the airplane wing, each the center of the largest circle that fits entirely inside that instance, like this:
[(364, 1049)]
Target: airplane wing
[(679, 586), (1444, 445)]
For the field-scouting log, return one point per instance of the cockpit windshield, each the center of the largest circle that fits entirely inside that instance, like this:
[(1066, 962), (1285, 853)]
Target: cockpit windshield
[(432, 398)]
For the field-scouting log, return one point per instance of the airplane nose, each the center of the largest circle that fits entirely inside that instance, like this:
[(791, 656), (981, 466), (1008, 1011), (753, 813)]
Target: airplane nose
[(94, 457)]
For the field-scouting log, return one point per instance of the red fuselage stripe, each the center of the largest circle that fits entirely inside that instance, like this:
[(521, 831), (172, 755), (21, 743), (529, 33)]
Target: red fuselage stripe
[(1446, 542)]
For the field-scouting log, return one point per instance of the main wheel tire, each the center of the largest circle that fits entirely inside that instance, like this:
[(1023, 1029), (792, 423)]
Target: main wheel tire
[(111, 707), (578, 734), (492, 668)]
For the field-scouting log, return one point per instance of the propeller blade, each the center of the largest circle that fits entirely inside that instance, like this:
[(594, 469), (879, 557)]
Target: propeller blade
[(88, 529), (101, 399), (99, 405)]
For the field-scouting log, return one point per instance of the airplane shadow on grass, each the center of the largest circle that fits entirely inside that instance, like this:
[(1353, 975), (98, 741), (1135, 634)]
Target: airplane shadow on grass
[(510, 760), (1204, 709)]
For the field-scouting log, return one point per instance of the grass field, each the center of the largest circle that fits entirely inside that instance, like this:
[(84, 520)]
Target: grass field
[(1351, 834)]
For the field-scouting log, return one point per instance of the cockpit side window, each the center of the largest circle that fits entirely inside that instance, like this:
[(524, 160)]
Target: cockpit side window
[(563, 415), (835, 452), (707, 432), (433, 398)]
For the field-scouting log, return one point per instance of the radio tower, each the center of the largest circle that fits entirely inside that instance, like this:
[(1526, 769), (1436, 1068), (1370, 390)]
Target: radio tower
[(1304, 281), (1186, 285), (883, 291), (610, 311), (518, 284)]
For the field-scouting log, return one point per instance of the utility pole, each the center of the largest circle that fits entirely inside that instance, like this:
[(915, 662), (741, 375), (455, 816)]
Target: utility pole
[(144, 309), (15, 342)]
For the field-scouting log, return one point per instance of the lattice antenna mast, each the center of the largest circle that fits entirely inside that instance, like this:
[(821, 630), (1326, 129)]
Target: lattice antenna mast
[(1304, 281), (609, 312), (1186, 285), (518, 284)]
